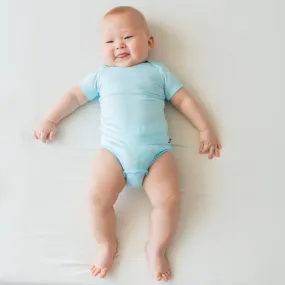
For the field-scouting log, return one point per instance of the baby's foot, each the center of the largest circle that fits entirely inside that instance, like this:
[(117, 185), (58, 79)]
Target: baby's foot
[(105, 258), (158, 263)]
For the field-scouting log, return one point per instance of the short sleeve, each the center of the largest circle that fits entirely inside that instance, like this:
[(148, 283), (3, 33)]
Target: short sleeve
[(170, 82), (89, 86)]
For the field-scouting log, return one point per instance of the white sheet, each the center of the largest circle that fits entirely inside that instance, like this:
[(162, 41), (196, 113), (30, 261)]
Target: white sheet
[(231, 228)]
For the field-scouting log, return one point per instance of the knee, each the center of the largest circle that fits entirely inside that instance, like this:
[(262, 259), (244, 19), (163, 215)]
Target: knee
[(99, 199), (168, 201)]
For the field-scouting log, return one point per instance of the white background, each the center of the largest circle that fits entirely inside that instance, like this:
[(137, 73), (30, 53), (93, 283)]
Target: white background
[(230, 54)]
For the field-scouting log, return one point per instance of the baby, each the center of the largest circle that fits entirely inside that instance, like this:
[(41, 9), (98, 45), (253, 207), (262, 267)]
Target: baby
[(135, 147)]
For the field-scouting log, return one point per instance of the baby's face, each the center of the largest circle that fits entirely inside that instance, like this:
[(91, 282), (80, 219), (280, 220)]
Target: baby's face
[(125, 40)]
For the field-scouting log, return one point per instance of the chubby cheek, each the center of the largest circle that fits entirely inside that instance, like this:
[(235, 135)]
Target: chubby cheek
[(108, 54), (138, 50)]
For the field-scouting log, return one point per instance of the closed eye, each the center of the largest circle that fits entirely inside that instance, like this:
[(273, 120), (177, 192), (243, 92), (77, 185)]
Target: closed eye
[(109, 42), (128, 37)]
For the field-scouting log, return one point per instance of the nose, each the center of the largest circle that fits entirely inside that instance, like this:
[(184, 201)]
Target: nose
[(120, 45)]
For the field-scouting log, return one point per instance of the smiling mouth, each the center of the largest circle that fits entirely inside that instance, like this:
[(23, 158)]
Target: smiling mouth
[(122, 55)]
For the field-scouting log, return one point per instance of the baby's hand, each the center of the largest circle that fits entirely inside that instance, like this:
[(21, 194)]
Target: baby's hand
[(209, 144), (46, 131)]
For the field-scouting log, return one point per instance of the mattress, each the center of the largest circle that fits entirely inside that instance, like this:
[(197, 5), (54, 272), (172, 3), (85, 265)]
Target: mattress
[(45, 234)]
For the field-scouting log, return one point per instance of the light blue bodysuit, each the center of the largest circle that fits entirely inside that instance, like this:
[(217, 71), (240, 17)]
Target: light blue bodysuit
[(133, 124)]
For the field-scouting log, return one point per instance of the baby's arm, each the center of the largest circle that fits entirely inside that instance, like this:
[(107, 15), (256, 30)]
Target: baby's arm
[(192, 110), (72, 100)]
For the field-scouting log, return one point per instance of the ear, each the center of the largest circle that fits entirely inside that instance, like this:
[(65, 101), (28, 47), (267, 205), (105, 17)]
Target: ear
[(151, 42)]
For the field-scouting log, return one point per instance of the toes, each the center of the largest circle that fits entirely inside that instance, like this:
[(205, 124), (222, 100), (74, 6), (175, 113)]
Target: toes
[(157, 276), (97, 271), (168, 275), (164, 277), (92, 269), (103, 273)]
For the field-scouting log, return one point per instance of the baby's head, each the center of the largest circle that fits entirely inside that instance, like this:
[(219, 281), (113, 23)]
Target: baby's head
[(125, 37)]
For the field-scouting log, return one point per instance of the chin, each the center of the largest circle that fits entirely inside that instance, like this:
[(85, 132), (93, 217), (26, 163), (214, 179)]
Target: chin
[(125, 63), (129, 63)]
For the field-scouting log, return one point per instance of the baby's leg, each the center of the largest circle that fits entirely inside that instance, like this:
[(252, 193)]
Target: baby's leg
[(161, 186), (106, 184)]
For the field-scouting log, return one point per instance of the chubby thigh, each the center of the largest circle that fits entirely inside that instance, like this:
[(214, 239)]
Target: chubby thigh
[(107, 178), (162, 184)]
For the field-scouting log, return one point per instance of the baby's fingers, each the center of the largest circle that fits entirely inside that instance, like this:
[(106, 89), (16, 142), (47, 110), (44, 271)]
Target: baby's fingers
[(43, 136), (201, 146), (36, 135), (211, 153), (206, 147), (217, 152), (51, 135), (219, 145)]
